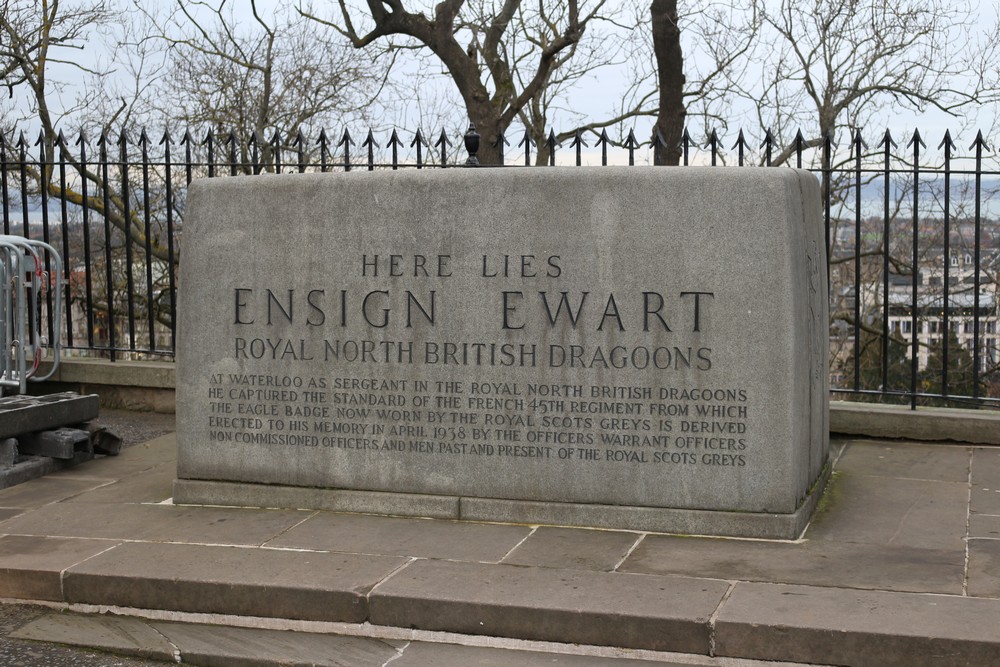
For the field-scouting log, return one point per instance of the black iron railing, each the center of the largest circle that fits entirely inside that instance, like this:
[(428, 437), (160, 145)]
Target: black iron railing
[(913, 236)]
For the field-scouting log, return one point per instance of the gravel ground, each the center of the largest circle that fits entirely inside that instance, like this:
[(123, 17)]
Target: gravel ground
[(134, 428)]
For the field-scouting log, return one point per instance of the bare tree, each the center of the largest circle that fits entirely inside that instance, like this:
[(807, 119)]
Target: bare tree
[(830, 64), (510, 52), (670, 80), (275, 71)]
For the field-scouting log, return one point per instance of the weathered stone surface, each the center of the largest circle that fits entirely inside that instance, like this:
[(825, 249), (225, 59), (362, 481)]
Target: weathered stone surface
[(201, 492), (402, 537), (986, 481), (31, 567), (24, 414), (35, 493), (984, 567), (203, 525), (894, 511), (611, 337), (149, 486), (230, 580), (573, 548), (659, 613), (117, 634), (899, 421), (422, 654), (907, 460), (849, 627), (224, 646), (814, 562)]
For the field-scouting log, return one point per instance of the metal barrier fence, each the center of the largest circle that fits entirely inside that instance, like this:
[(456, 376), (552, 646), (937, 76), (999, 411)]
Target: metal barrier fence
[(27, 268), (913, 235)]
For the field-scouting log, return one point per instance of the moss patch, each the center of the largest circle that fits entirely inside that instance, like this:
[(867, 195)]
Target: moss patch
[(830, 498)]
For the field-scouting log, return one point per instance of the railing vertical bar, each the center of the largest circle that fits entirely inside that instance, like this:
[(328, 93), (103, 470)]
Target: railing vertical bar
[(171, 258), (108, 255), (64, 231), (858, 145), (946, 297), (44, 181), (88, 276), (188, 165), (148, 246), (322, 151), (887, 144), (915, 273), (977, 262), (22, 155), (127, 237), (276, 149), (4, 191), (300, 141), (210, 142), (370, 143), (233, 165)]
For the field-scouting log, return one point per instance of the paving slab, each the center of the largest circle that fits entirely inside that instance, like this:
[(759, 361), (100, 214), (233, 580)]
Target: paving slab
[(422, 654), (148, 486), (892, 511), (984, 525), (166, 523), (574, 606), (985, 481), (115, 634), (31, 567), (984, 568), (28, 653), (230, 580), (420, 538), (861, 628), (819, 563), (132, 459), (221, 646), (986, 464), (575, 548), (906, 460), (46, 490), (9, 513)]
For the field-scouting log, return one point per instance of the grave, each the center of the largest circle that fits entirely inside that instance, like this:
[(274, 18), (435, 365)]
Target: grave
[(628, 348)]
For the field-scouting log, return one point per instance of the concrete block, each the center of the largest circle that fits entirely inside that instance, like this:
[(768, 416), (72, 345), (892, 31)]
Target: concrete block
[(61, 443), (8, 452), (27, 414), (606, 338)]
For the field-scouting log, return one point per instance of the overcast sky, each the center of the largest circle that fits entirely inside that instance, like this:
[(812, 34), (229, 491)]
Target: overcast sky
[(591, 98)]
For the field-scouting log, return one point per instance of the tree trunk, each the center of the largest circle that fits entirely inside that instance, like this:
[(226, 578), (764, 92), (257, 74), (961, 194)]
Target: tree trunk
[(670, 74)]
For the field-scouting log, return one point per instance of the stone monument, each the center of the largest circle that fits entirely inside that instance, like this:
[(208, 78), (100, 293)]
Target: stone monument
[(617, 347)]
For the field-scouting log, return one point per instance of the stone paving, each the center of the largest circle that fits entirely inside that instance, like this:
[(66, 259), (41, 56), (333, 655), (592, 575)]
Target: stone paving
[(900, 566)]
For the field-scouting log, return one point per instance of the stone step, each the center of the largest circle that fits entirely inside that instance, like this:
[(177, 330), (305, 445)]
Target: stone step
[(676, 614), (204, 644)]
